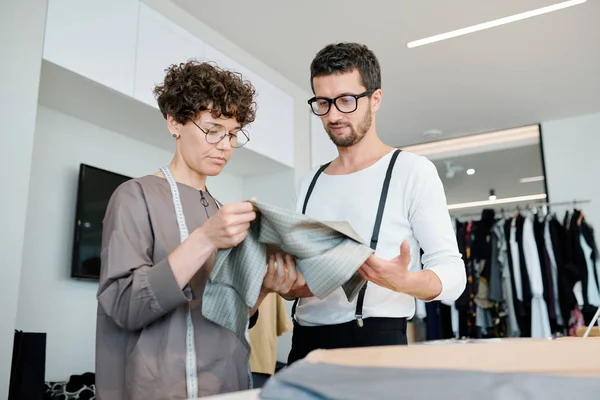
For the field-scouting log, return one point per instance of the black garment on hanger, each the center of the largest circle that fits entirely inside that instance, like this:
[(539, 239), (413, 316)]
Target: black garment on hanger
[(588, 234), (524, 314), (567, 273), (578, 257), (433, 327), (516, 302), (463, 299), (472, 283), (546, 269), (438, 322), (577, 227), (482, 241), (462, 303)]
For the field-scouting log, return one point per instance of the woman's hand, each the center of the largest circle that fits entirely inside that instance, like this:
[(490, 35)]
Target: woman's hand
[(229, 226), (225, 229), (281, 276)]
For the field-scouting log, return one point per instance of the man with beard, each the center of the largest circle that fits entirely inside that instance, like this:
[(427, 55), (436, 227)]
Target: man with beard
[(393, 199)]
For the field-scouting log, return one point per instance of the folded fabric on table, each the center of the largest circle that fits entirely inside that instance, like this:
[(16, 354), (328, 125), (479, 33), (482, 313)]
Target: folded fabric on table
[(328, 254), (318, 381)]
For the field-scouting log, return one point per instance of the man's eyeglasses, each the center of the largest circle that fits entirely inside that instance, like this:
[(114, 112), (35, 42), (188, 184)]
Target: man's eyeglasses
[(218, 132), (347, 103)]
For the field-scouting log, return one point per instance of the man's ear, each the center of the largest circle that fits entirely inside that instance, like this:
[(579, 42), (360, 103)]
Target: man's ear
[(376, 99)]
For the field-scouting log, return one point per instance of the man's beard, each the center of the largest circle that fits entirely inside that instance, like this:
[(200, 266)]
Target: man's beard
[(355, 135)]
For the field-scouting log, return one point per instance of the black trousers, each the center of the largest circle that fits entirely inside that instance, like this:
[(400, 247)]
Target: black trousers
[(259, 379), (375, 332)]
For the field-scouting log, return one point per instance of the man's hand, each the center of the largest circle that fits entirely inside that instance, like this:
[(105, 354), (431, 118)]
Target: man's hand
[(392, 274), (281, 276), (300, 290)]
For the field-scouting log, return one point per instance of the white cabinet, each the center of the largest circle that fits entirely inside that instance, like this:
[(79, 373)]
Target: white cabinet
[(95, 39), (322, 149), (161, 43), (272, 132), (125, 47), (273, 129)]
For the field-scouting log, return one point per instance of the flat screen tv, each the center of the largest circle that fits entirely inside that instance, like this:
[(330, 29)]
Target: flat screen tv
[(94, 189)]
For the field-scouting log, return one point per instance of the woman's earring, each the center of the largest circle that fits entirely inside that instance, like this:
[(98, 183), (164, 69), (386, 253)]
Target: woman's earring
[(175, 135)]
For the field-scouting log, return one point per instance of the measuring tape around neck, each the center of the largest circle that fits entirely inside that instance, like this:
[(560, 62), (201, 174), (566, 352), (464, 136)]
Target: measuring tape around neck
[(190, 346)]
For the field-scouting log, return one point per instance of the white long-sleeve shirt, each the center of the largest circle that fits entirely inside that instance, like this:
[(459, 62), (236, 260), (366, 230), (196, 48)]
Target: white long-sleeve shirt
[(416, 210)]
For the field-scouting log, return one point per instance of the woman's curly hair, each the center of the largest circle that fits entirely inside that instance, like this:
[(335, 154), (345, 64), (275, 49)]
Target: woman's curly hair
[(194, 86)]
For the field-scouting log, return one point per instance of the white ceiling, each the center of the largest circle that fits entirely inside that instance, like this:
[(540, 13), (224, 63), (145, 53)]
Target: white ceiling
[(543, 68)]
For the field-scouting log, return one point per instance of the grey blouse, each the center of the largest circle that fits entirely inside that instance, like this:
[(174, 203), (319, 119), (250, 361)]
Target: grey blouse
[(141, 319)]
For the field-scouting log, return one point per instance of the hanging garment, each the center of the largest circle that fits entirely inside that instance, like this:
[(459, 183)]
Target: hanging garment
[(272, 323), (454, 316), (525, 309), (588, 244), (468, 308), (463, 300), (511, 269), (554, 271), (497, 258), (515, 259), (592, 283), (540, 322), (534, 261), (481, 254), (546, 271), (504, 293), (420, 310), (433, 321), (482, 300), (567, 273), (578, 258)]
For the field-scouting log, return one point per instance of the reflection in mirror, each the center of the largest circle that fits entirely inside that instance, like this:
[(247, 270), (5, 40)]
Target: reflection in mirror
[(498, 170)]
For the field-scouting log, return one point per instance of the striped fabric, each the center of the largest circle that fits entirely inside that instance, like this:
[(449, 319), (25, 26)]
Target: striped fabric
[(327, 254)]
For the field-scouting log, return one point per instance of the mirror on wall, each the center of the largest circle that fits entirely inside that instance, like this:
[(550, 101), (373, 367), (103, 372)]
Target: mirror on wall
[(500, 170)]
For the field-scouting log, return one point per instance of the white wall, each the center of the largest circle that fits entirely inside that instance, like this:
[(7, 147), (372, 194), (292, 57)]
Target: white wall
[(322, 148), (277, 188), (21, 41), (572, 159), (49, 300)]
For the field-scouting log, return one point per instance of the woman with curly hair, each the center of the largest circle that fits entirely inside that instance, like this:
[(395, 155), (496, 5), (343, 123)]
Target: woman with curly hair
[(160, 236)]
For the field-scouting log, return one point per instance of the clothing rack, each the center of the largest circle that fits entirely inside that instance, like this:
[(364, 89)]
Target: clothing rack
[(515, 246), (566, 203), (529, 206)]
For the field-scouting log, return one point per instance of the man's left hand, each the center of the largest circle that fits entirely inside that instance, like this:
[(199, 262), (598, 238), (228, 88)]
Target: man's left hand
[(392, 274), (281, 275)]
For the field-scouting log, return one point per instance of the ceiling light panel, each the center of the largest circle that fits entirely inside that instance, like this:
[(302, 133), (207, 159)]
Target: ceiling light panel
[(495, 23)]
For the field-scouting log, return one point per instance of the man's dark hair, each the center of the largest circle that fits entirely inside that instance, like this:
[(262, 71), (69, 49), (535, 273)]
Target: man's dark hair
[(194, 86), (340, 58)]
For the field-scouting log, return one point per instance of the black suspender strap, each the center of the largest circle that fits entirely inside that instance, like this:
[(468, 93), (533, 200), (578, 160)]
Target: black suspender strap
[(312, 185), (376, 228), (308, 193), (375, 235)]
